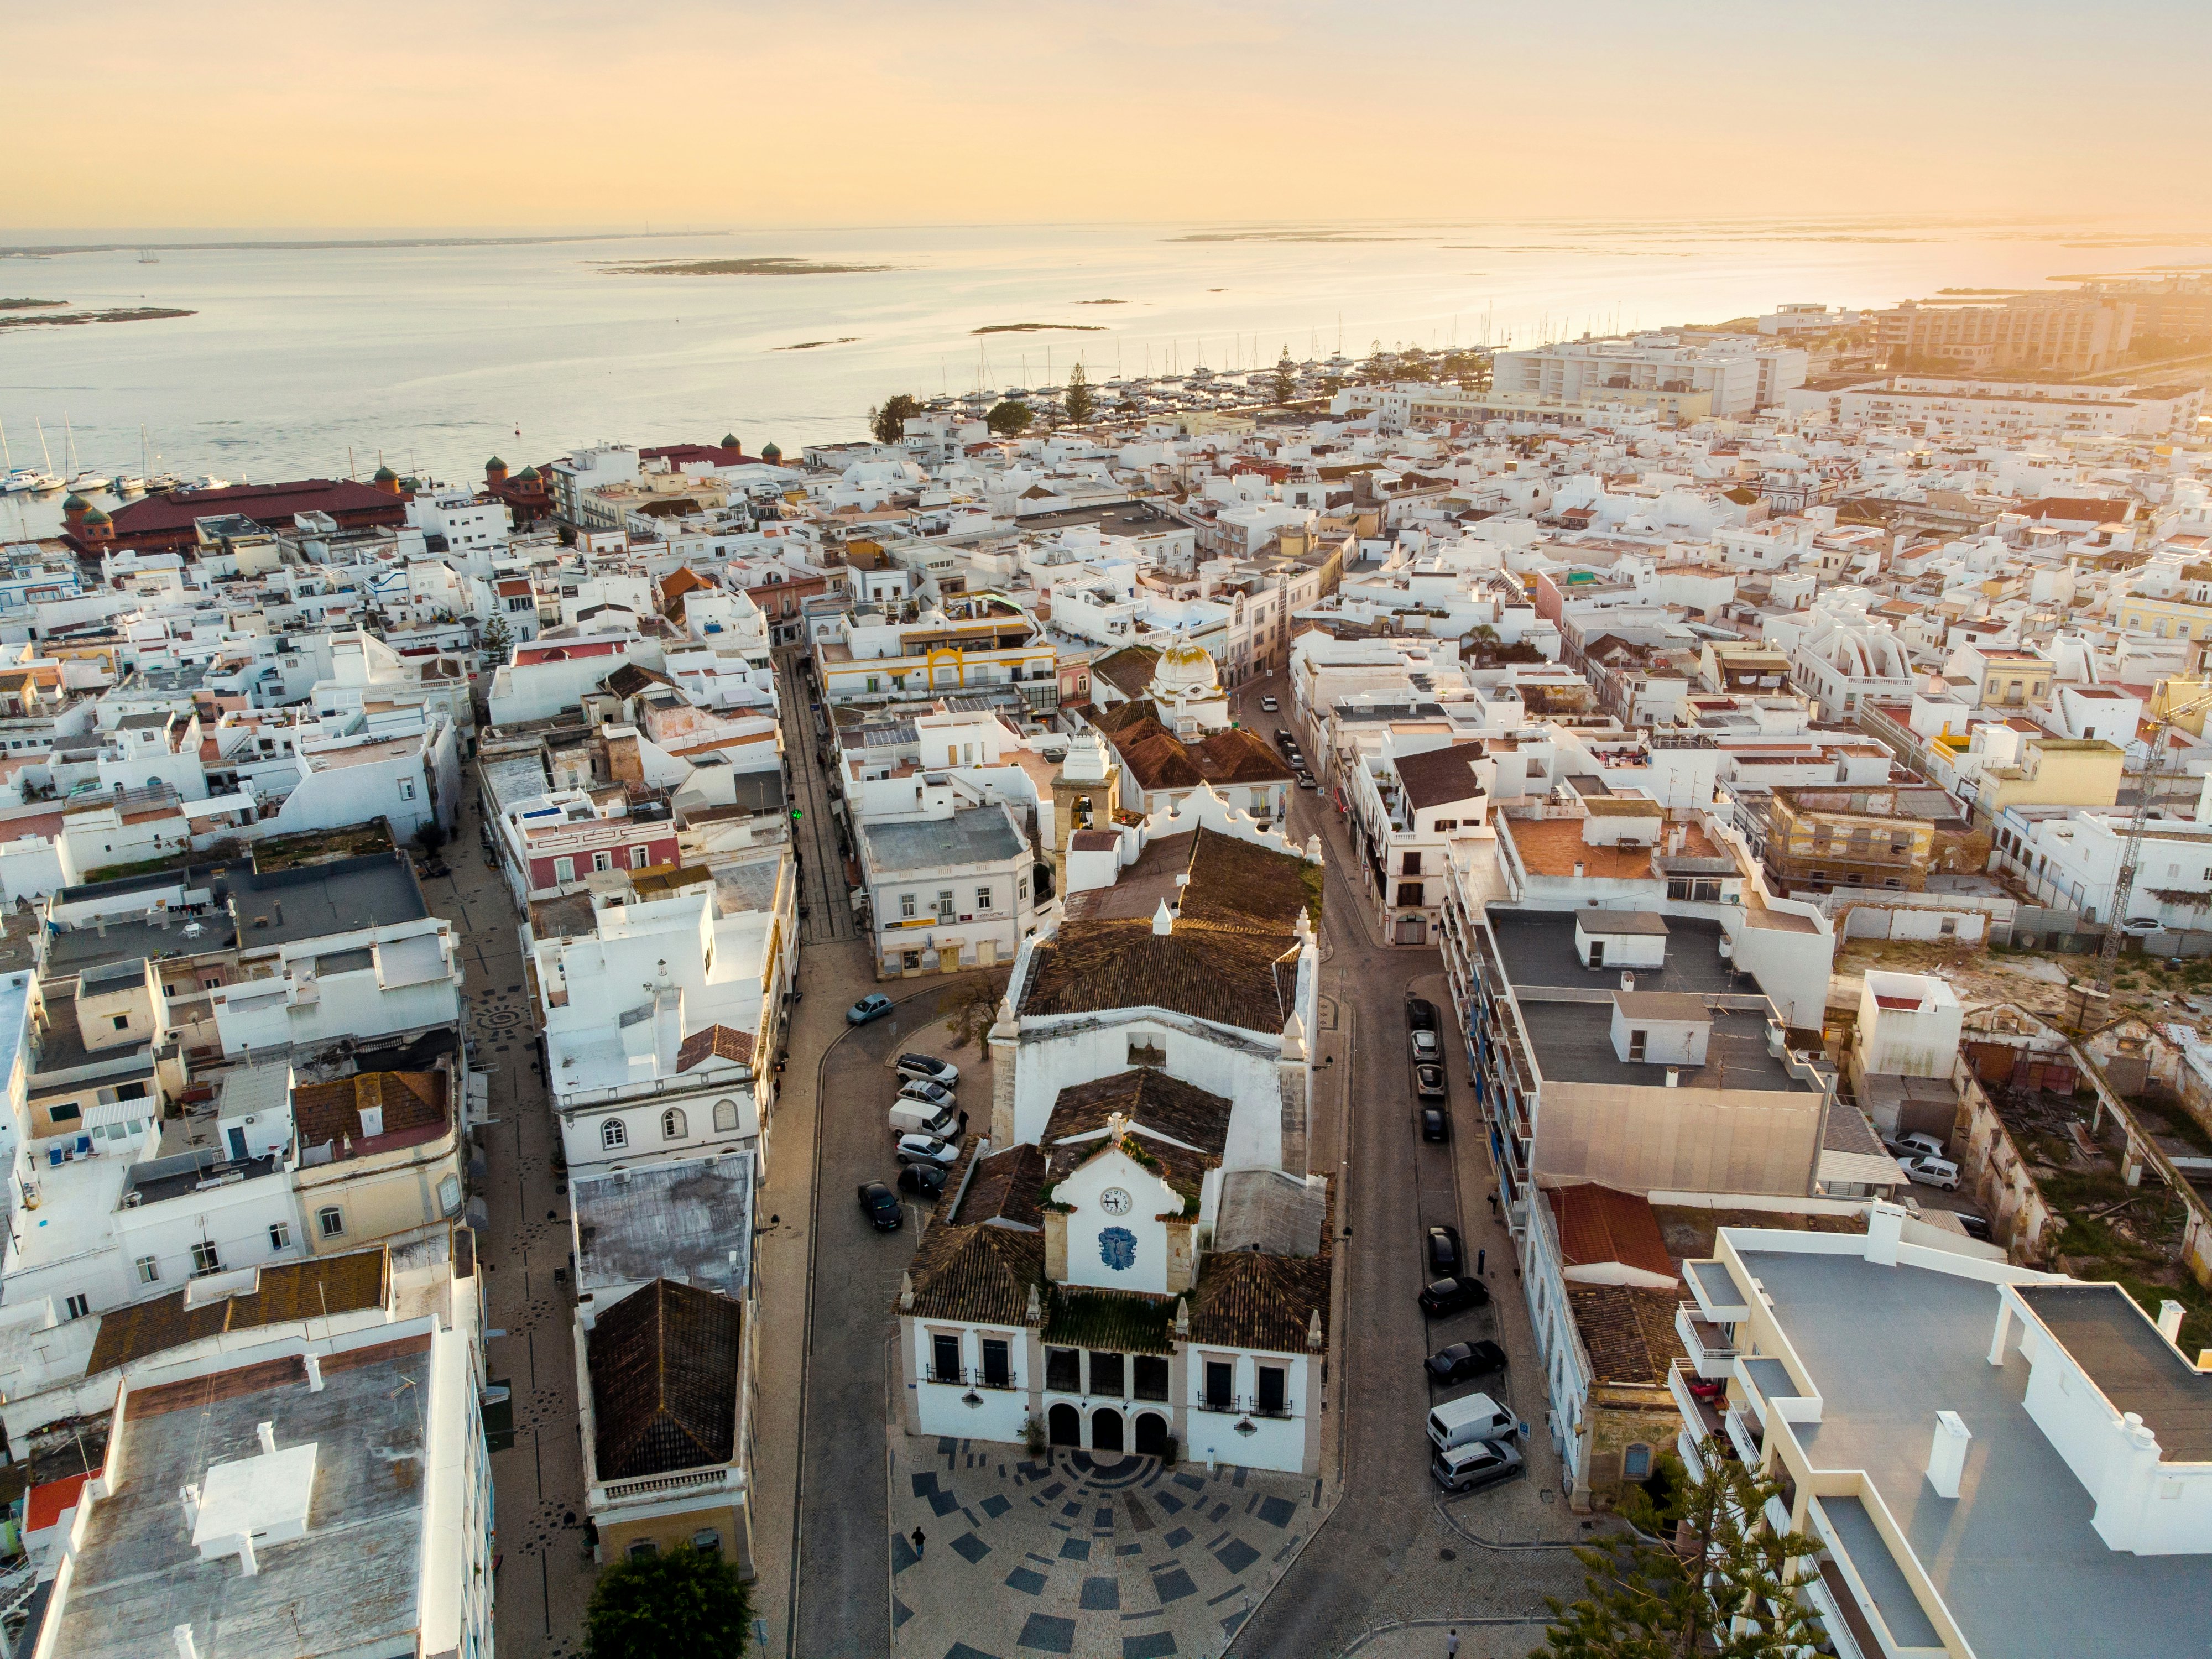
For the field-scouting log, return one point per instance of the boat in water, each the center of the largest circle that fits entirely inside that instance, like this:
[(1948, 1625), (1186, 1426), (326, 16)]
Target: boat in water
[(129, 483), (82, 479), (162, 482)]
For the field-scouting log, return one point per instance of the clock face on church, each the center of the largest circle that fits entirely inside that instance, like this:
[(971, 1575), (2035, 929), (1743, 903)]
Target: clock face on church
[(1114, 1201)]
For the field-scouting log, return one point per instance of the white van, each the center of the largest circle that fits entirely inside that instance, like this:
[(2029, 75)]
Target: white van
[(911, 1117), (1477, 1416)]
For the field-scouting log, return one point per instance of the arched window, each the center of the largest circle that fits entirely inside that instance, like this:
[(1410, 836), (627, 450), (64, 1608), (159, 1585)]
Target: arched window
[(671, 1124), (726, 1115), (613, 1135)]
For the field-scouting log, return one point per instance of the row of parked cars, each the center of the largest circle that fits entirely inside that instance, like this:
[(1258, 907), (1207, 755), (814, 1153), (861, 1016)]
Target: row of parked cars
[(926, 1126), (1289, 747)]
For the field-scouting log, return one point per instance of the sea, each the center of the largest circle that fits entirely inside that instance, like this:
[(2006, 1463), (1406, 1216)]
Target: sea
[(432, 351)]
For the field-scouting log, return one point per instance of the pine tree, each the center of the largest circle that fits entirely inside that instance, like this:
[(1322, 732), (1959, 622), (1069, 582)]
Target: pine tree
[(498, 641), (657, 1607), (1727, 1588), (1285, 384), (1076, 402)]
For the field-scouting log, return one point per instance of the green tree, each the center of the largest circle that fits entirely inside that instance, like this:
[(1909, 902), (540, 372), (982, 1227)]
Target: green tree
[(1077, 401), (498, 641), (889, 423), (1412, 365), (1284, 383), (1377, 366), (1009, 419), (1727, 1586), (657, 1607)]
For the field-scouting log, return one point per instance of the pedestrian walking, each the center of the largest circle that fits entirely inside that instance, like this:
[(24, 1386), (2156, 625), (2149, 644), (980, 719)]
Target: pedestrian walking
[(1480, 1256), (918, 1540), (1451, 1643)]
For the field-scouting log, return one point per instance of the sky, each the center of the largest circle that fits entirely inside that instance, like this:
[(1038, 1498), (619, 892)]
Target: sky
[(557, 113)]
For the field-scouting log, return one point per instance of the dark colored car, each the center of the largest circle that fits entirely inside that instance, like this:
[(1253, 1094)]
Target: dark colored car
[(1429, 1082), (1444, 1256), (1436, 1123), (1464, 1359), (1451, 1296), (921, 1180), (1420, 1014), (1977, 1226), (881, 1205), (874, 1006)]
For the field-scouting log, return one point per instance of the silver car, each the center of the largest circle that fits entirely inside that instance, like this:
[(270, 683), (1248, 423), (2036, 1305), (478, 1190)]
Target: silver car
[(927, 1149), (1477, 1464)]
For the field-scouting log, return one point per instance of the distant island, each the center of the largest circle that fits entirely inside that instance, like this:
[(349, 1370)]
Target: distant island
[(808, 345), (1039, 328), (1101, 302), (733, 267), (119, 314), (49, 250), (28, 305)]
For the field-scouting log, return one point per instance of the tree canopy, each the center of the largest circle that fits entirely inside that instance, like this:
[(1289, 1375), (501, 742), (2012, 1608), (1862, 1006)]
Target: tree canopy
[(656, 1607), (1009, 418), (889, 422), (1727, 1586), (1284, 382), (1076, 400)]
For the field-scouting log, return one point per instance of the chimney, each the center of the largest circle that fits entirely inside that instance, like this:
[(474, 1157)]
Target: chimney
[(2169, 1321), (1885, 1231), (191, 1494), (1673, 1077), (1946, 1454), (266, 1434), (1627, 980), (1578, 870), (1163, 921), (315, 1364), (248, 1567), (372, 1123), (187, 1648)]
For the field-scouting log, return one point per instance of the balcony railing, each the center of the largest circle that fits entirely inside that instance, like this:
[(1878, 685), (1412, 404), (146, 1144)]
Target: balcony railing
[(1712, 1354), (1217, 1402), (1701, 1418), (1247, 1405), (970, 1376)]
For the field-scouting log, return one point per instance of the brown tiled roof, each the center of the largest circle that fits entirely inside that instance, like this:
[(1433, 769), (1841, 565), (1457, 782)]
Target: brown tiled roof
[(1229, 975), (1232, 879), (980, 1275), (329, 1111), (1245, 1299), (1150, 1100), (629, 679), (1128, 670), (664, 1368), (285, 1292), (1440, 775), (719, 1042), (1629, 1333), (1239, 755), (1598, 1223), (1158, 759), (1006, 1187)]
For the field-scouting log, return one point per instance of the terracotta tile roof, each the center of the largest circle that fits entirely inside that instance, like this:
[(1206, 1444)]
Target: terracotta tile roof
[(1233, 880), (664, 1367), (1128, 1320), (979, 1275), (285, 1292), (1150, 1100), (1628, 1333), (1438, 775), (1245, 1299), (715, 1042), (46, 1503), (330, 1111), (1158, 759), (1128, 670), (1006, 1187), (2094, 509), (1599, 1224)]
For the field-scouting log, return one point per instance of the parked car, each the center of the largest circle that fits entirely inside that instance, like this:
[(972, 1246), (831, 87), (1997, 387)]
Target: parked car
[(874, 1006), (1307, 781), (881, 1205), (913, 1117), (1267, 705), (1917, 1145), (1467, 1420), (921, 1180), (1284, 740), (1444, 1255), (1977, 1226), (1425, 1048), (1451, 1296), (926, 1149), (1932, 1171), (1465, 1359), (1436, 1123), (1429, 1082), (1420, 1014), (934, 1095), (928, 1068), (1470, 1468)]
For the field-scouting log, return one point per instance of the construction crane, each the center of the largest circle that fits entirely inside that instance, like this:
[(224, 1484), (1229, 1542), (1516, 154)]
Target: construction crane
[(2124, 884)]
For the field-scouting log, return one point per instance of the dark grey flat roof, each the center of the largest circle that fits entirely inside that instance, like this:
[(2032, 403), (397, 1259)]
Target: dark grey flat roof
[(2135, 1368), (376, 889), (2014, 1557), (974, 834), (1574, 1044), (1885, 1581), (1538, 948), (1675, 1007), (1619, 923), (682, 1221)]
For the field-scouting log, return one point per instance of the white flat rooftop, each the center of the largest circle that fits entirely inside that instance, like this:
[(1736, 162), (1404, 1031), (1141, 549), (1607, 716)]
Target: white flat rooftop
[(268, 1494)]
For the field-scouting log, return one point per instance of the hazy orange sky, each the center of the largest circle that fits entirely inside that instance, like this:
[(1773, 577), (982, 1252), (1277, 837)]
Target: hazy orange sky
[(482, 113)]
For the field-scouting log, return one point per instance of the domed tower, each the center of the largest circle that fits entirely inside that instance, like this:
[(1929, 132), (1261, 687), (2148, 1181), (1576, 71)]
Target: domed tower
[(730, 442), (74, 509), (771, 454), (494, 471), (1085, 795), (96, 528), (386, 480), (1186, 688)]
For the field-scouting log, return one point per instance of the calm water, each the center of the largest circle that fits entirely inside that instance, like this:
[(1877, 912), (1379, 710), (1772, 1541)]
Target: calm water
[(319, 361)]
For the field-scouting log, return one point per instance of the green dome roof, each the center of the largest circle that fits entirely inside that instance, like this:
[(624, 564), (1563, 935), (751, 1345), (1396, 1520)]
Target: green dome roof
[(770, 452), (385, 474), (730, 442), (75, 503), (495, 462), (96, 516), (528, 475)]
